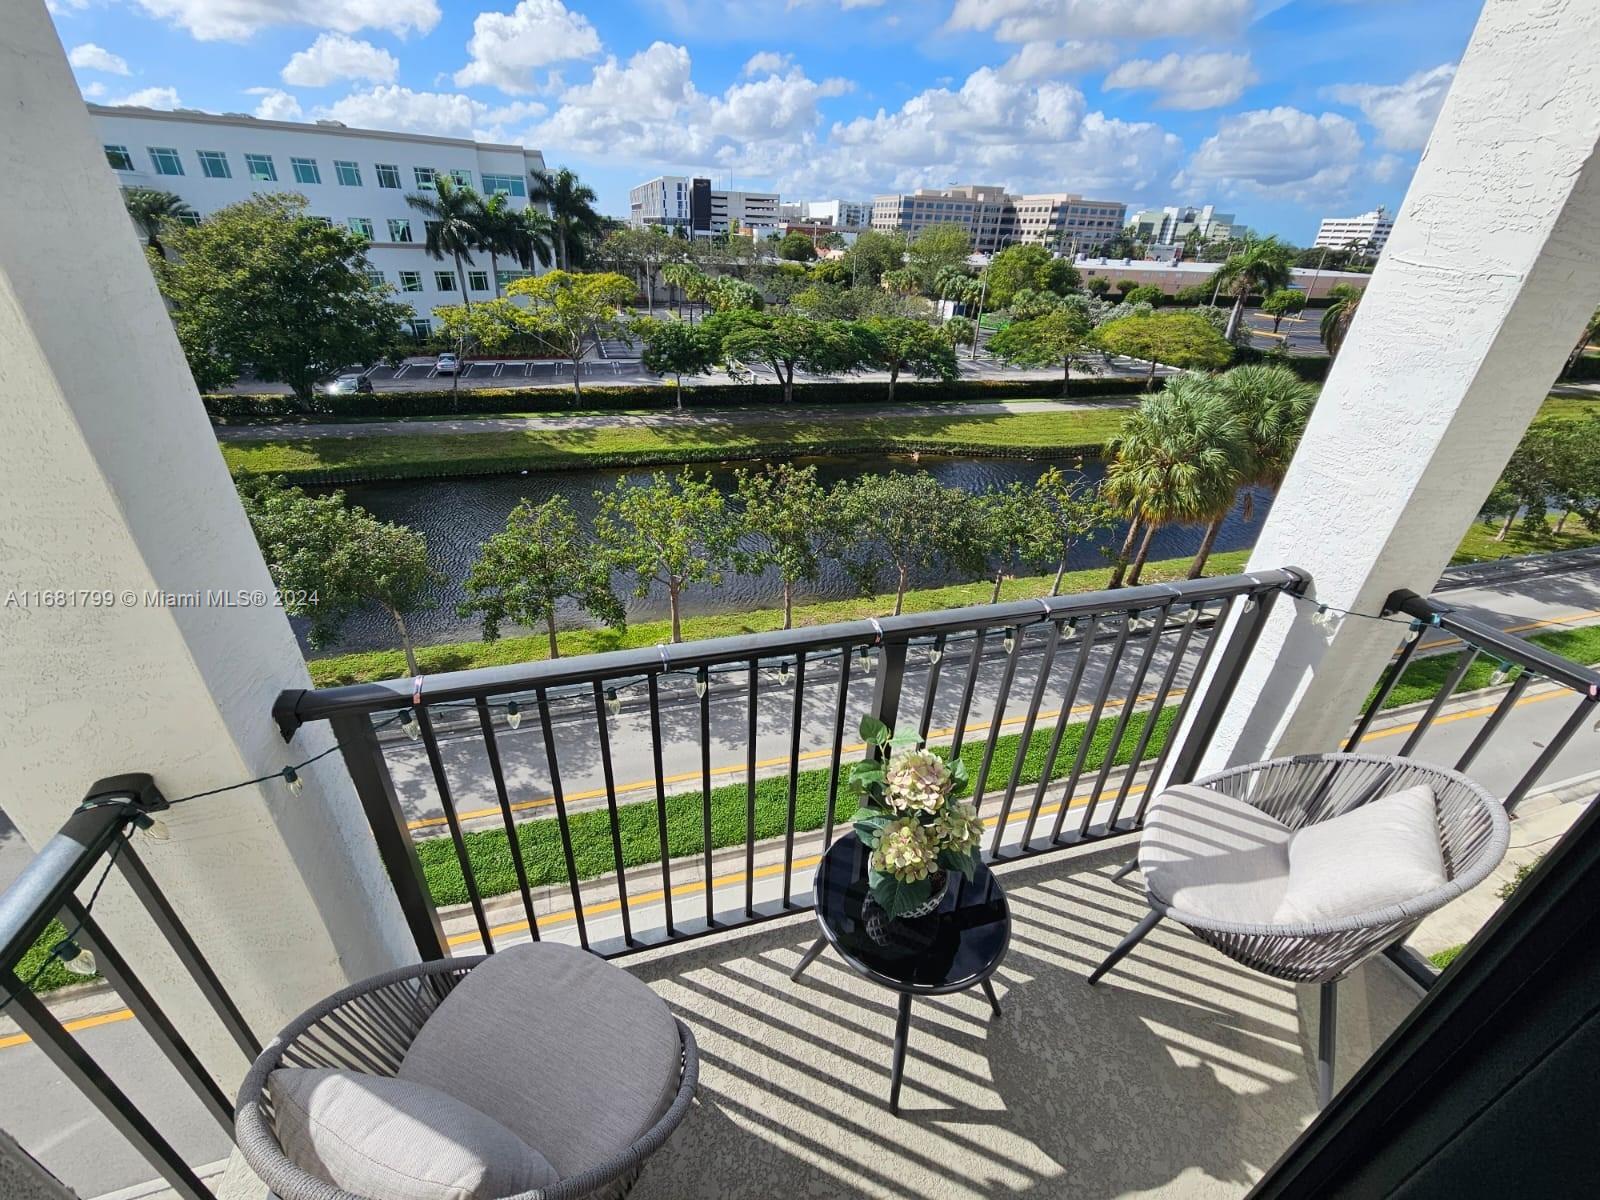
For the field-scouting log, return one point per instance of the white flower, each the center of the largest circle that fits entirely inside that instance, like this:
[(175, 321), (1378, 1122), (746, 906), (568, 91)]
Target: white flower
[(916, 780)]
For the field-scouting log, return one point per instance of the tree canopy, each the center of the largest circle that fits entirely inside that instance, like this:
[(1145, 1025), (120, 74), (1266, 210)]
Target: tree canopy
[(905, 523), (899, 344), (791, 515), (1174, 337), (676, 348), (1056, 339), (1028, 267), (787, 340)]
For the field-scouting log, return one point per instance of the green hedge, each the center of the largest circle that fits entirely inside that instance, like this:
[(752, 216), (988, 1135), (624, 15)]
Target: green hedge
[(229, 409), (1313, 368)]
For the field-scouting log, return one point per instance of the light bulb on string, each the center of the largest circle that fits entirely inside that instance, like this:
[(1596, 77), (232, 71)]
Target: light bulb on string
[(409, 723), (935, 653), (783, 671), (613, 701), (513, 713), (153, 828), (702, 682), (1501, 673), (75, 958), (1010, 639), (292, 779), (1324, 618), (866, 658)]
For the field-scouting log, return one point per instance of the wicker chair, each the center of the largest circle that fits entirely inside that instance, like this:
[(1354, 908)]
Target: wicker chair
[(368, 1027), (1302, 791)]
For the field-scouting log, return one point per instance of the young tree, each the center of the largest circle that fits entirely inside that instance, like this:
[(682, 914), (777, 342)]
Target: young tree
[(792, 515), (874, 253), (671, 532), (451, 223), (261, 286), (796, 247), (1098, 285), (572, 213), (1056, 339), (788, 341), (538, 560), (937, 248), (1175, 337), (1148, 294), (1027, 267), (1261, 267), (329, 560), (569, 310), (151, 209), (905, 344), (1016, 525), (906, 523), (1077, 511), (677, 349), (1284, 302), (679, 278), (959, 331)]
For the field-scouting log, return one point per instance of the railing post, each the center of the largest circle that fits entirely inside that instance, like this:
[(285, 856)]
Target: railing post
[(890, 678), (363, 758)]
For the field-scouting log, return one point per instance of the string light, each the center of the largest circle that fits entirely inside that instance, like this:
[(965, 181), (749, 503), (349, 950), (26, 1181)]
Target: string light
[(867, 662), (1500, 675), (153, 828), (291, 777), (613, 701), (409, 723), (1010, 639), (1323, 618), (783, 671), (75, 958), (513, 713), (935, 653), (702, 682)]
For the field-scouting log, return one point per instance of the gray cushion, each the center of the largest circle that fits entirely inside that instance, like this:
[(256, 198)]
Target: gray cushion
[(571, 1053), (1206, 854), (396, 1140), (1382, 854)]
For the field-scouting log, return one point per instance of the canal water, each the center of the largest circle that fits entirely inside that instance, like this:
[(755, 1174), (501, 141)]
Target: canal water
[(456, 515)]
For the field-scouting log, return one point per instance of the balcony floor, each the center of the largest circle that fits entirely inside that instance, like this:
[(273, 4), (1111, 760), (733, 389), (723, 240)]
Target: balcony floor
[(1181, 1074)]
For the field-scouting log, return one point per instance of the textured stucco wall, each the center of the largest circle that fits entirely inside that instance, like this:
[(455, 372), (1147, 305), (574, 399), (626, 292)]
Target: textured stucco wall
[(110, 479), (1492, 269)]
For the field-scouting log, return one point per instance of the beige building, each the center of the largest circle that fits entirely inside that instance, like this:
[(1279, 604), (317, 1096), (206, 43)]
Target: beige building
[(995, 218)]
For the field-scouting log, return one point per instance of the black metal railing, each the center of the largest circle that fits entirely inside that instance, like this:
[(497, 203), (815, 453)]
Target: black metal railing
[(96, 838), (1095, 687)]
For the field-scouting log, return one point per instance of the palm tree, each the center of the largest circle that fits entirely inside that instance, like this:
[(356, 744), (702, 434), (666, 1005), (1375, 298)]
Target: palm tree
[(1337, 316), (515, 233), (1260, 268), (150, 208), (680, 276), (949, 279), (451, 220), (1179, 457), (1272, 404), (571, 203)]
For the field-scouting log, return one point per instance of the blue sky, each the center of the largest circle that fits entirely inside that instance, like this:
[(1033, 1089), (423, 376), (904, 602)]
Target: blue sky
[(1281, 111)]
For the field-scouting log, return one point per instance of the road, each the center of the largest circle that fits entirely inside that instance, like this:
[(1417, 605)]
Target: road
[(42, 1110)]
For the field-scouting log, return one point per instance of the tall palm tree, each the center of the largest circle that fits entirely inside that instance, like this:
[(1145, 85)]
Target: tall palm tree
[(1260, 268), (571, 203), (1272, 404), (150, 209), (1179, 457), (451, 215), (950, 278), (502, 231), (680, 276), (1337, 316)]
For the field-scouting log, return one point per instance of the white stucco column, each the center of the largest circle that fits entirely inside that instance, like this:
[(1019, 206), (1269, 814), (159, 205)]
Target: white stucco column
[(1493, 266), (110, 480)]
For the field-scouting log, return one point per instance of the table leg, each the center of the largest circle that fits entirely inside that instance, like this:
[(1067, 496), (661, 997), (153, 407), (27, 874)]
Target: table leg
[(809, 958), (902, 1027), (994, 1001)]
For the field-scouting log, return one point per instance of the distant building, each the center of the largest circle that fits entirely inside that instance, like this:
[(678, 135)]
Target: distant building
[(677, 201), (841, 214), (357, 178), (1172, 225), (1369, 231), (1173, 277), (1064, 221)]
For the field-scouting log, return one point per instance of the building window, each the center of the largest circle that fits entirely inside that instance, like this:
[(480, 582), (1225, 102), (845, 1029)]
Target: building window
[(305, 170), (424, 178), (349, 173), (190, 218), (421, 328), (119, 158), (478, 281), (375, 277), (165, 160), (261, 168), (388, 174), (214, 164), (505, 277), (410, 281), (444, 281), (511, 185), (363, 226), (399, 229), (462, 178)]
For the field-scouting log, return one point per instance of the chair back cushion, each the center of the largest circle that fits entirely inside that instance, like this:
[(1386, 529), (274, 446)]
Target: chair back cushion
[(569, 1052), (1382, 854), (390, 1139), (1206, 854)]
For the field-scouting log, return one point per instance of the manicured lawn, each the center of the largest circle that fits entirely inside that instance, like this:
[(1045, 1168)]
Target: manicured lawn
[(1425, 676), (490, 855), (460, 656), (431, 455)]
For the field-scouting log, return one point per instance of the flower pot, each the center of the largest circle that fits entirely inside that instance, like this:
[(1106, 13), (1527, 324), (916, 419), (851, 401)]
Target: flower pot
[(880, 924)]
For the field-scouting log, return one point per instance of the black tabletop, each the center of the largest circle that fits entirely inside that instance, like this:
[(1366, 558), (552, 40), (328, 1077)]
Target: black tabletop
[(954, 947)]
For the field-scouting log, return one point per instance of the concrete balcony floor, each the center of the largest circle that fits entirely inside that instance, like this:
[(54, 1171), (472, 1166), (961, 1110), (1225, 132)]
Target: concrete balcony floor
[(1181, 1074)]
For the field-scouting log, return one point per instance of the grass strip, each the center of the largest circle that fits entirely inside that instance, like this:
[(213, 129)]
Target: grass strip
[(489, 851), (1425, 676)]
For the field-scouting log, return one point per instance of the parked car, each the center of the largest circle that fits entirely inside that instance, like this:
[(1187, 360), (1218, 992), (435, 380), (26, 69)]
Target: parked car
[(345, 385), (445, 364)]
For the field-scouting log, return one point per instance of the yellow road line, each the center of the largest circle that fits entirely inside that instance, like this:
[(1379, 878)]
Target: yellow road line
[(110, 1018), (1523, 628), (1464, 714)]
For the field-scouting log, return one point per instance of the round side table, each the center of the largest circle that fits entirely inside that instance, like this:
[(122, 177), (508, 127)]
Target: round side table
[(957, 946)]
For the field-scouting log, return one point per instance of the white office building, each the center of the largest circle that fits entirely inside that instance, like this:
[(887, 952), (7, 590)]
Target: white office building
[(1369, 231), (692, 204), (1173, 224), (841, 214), (1064, 221), (358, 178)]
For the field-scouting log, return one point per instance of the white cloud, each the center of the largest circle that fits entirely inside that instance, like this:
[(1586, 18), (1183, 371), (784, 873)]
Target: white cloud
[(1042, 20), (1278, 152), (1402, 113), (1386, 167), (448, 114), (237, 20), (778, 106), (507, 48), (275, 104), (1188, 81), (766, 62), (150, 97), (93, 91), (335, 56), (645, 108), (1044, 60), (89, 57)]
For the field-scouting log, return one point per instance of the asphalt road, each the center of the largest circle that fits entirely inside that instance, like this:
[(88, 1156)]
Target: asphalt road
[(47, 1115)]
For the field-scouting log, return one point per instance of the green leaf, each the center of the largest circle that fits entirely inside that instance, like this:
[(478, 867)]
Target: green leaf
[(965, 864), (873, 731), (900, 740), (865, 773), (958, 772), (894, 897)]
